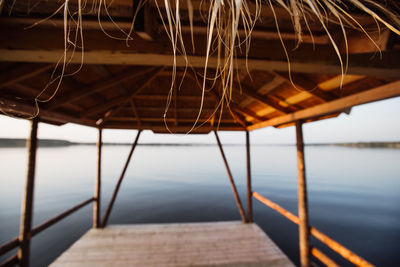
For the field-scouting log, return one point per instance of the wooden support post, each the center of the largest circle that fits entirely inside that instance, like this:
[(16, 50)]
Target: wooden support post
[(304, 232), (97, 191), (27, 201), (249, 190), (235, 192), (114, 196)]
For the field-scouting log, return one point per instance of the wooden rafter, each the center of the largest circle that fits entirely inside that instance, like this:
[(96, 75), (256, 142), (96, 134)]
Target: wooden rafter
[(360, 64), (22, 72), (293, 106), (308, 86), (271, 85), (266, 89), (181, 128), (161, 109), (266, 35), (135, 112), (164, 97), (104, 107), (98, 87), (335, 82), (266, 11), (119, 102), (215, 95), (246, 111), (161, 119), (379, 93), (34, 92), (19, 108), (263, 99)]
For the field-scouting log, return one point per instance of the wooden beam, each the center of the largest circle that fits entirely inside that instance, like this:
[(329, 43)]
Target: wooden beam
[(236, 117), (23, 109), (147, 33), (266, 12), (304, 232), (114, 196), (358, 42), (246, 111), (335, 82), (97, 190), (97, 87), (181, 128), (164, 97), (96, 109), (150, 23), (27, 202), (261, 34), (359, 64), (265, 100), (22, 72), (135, 112), (32, 93), (152, 28), (161, 119), (379, 93), (160, 109), (215, 95), (303, 84), (281, 100), (270, 85), (235, 192), (119, 102)]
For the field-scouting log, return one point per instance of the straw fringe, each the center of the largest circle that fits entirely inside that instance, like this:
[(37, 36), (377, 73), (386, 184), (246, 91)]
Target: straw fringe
[(222, 21)]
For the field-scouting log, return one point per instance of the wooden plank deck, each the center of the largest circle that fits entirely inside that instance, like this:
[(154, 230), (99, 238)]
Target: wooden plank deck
[(186, 244)]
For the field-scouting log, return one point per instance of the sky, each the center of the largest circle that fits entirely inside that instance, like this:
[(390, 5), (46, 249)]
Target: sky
[(379, 121)]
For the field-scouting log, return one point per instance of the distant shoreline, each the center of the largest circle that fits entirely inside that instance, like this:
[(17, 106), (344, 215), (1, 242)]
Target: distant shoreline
[(20, 142)]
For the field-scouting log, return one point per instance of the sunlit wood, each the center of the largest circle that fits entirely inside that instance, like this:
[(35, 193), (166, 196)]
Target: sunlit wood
[(344, 252), (216, 244)]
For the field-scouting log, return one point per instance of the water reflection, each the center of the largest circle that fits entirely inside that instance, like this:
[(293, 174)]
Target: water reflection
[(353, 193)]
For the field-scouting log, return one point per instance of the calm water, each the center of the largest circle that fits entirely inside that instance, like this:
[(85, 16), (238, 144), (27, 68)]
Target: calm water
[(354, 194)]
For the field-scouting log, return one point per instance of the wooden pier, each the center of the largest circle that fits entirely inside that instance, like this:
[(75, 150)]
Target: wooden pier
[(187, 244), (134, 82)]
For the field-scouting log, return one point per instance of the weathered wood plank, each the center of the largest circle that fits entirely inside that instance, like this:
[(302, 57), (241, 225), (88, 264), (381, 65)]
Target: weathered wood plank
[(360, 64), (187, 244)]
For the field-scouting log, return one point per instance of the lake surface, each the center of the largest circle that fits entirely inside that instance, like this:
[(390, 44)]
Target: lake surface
[(354, 194)]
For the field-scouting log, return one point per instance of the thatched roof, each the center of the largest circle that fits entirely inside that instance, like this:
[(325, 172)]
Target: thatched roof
[(127, 87)]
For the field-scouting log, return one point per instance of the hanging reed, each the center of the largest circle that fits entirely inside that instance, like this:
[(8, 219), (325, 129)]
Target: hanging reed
[(223, 19)]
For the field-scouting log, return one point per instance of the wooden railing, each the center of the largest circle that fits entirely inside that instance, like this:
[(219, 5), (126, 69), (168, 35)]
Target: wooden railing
[(305, 230), (14, 243), (335, 246)]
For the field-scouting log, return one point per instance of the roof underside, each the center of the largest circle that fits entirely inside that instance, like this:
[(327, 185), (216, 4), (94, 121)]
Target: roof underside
[(127, 87)]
